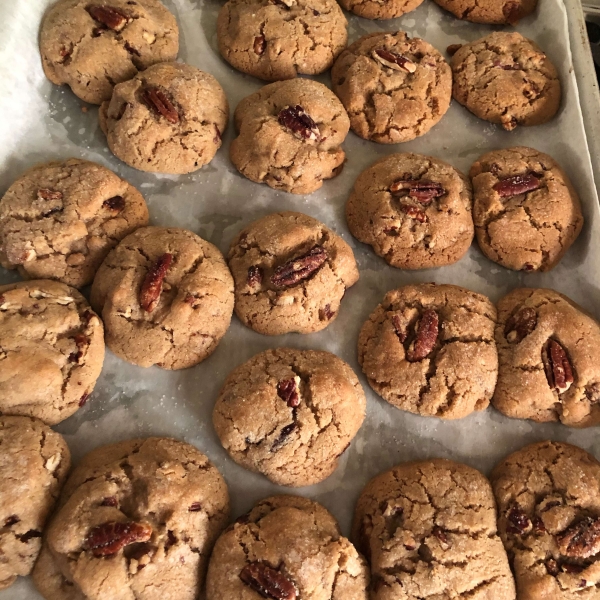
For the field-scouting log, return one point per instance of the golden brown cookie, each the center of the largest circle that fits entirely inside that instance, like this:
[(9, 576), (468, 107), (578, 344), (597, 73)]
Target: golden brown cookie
[(491, 12), (380, 9)]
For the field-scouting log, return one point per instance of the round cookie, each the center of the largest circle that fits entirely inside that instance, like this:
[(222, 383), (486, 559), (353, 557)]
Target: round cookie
[(549, 518), (60, 219), (165, 296), (93, 46), (52, 350), (34, 463), (290, 135), (429, 349), (286, 547), (380, 9), (414, 210), (291, 273), (429, 531), (506, 79), (276, 40), (490, 12), (549, 359), (395, 88), (168, 119), (136, 519), (290, 414), (526, 211)]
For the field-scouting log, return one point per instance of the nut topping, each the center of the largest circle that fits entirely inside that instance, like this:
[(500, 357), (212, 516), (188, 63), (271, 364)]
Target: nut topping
[(254, 276), (580, 540), (422, 190), (559, 372), (393, 60), (48, 194), (153, 283), (520, 325), (414, 212), (300, 268), (260, 44), (518, 521), (427, 332), (299, 123), (288, 390), (158, 101), (107, 539), (116, 203), (268, 582), (111, 17), (518, 184)]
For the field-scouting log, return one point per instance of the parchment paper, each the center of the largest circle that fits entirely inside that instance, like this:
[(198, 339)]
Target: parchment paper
[(41, 122)]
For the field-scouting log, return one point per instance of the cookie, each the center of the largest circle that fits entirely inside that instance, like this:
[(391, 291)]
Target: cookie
[(380, 9), (395, 88), (52, 350), (34, 463), (549, 368), (549, 520), (276, 40), (414, 210), (286, 547), (59, 220), (136, 519), (290, 414), (168, 119), (291, 273), (165, 296), (429, 531), (93, 46), (290, 135), (490, 12), (429, 349), (526, 211), (506, 79)]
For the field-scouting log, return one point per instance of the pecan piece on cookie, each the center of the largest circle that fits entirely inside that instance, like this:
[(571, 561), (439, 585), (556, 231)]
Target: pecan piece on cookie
[(48, 194), (107, 539), (518, 521), (393, 60), (260, 44), (559, 372), (255, 276), (517, 184), (115, 204), (299, 123), (268, 582), (157, 100), (300, 268), (111, 17), (153, 283), (581, 540), (427, 330), (287, 390), (422, 190), (520, 325), (414, 212)]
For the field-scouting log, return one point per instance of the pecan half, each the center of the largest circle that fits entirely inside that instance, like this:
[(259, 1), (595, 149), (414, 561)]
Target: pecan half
[(153, 283), (518, 184), (580, 540), (414, 212), (48, 194), (283, 436), (393, 60), (300, 268), (422, 190), (559, 372), (299, 123), (288, 390), (116, 204), (158, 101), (518, 521), (520, 325), (427, 333), (452, 49), (268, 582), (109, 538), (107, 15), (255, 276), (260, 44)]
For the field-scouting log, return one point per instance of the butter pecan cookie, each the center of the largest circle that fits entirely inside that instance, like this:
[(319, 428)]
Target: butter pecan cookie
[(414, 210), (290, 135), (136, 519), (429, 349), (548, 353), (506, 79), (34, 463), (429, 531), (291, 273), (165, 296), (290, 414), (91, 46), (168, 119), (276, 40), (52, 350), (492, 12), (59, 220), (526, 211), (286, 547), (380, 9), (549, 520), (395, 88)]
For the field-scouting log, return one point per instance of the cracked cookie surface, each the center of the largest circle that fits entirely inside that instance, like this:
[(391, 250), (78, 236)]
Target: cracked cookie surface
[(51, 350), (395, 88), (429, 349), (291, 273), (526, 211), (34, 463), (529, 322), (380, 9), (548, 517), (136, 519), (60, 219), (290, 414), (290, 135), (171, 317), (426, 225), (276, 40), (290, 541), (491, 12), (506, 79), (428, 530), (94, 46), (168, 119)]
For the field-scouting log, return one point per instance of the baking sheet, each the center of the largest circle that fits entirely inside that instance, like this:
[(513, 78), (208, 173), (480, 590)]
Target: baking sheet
[(41, 122)]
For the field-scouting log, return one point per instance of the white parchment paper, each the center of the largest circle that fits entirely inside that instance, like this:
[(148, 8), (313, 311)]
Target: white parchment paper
[(41, 122)]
